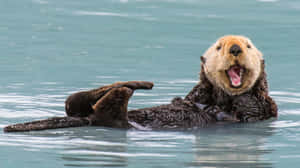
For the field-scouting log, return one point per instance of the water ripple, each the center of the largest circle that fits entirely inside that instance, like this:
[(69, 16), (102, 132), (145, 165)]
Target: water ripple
[(286, 97), (119, 154), (40, 1), (30, 106), (267, 0), (285, 124), (145, 17), (100, 13), (285, 93), (290, 112)]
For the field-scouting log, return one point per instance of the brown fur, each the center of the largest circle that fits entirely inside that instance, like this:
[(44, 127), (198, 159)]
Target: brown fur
[(253, 105), (111, 109), (50, 123), (81, 104), (210, 101)]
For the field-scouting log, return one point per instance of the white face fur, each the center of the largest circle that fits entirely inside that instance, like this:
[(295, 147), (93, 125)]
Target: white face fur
[(233, 63)]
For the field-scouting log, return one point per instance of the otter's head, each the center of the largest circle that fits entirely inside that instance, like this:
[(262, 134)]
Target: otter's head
[(233, 63)]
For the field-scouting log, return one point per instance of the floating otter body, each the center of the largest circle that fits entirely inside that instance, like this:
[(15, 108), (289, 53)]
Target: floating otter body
[(232, 88)]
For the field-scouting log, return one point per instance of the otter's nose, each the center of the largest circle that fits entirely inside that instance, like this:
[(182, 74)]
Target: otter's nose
[(235, 50)]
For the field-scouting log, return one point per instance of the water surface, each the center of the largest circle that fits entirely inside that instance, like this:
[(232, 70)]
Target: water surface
[(51, 48)]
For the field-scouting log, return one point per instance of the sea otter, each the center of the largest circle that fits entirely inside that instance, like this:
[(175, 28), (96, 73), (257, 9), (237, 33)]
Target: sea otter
[(232, 88)]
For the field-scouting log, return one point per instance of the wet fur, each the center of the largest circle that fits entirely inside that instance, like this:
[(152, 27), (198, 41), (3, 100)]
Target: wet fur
[(207, 103)]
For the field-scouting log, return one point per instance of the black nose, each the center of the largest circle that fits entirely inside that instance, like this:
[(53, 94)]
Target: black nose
[(235, 50)]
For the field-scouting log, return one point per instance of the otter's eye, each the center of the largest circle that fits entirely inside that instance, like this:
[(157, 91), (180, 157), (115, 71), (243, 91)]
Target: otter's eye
[(219, 47), (248, 46)]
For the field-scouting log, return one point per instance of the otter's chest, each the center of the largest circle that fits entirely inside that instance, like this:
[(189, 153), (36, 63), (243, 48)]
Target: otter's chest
[(222, 99)]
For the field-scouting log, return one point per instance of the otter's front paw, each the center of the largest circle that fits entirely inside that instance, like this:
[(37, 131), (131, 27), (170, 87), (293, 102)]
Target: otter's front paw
[(220, 115), (223, 116), (248, 108)]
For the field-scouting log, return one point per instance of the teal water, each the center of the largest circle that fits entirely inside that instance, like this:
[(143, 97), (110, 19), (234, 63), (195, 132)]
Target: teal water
[(52, 48)]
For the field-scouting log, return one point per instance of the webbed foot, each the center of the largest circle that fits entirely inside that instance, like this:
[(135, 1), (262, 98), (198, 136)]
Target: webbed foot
[(111, 109), (80, 104)]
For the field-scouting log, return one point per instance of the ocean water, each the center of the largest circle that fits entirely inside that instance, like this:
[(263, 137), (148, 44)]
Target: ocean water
[(52, 48)]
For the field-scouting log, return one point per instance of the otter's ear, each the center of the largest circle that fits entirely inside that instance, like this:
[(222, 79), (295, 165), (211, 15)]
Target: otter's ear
[(203, 59)]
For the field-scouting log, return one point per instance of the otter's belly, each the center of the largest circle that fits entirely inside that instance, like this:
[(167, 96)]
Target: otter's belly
[(178, 115)]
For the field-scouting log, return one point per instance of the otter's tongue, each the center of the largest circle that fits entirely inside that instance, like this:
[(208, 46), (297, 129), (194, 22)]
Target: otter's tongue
[(235, 75)]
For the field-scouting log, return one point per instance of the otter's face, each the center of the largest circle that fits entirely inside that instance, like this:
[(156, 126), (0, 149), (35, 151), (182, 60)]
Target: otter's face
[(233, 63)]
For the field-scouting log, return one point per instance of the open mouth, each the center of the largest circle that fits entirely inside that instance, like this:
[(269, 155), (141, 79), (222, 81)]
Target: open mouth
[(235, 75)]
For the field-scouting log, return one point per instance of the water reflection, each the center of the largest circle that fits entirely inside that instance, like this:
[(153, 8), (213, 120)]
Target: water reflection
[(97, 148), (235, 146)]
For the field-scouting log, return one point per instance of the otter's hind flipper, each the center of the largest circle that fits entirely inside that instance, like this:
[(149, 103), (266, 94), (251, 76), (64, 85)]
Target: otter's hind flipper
[(80, 104), (50, 123), (111, 109), (137, 85)]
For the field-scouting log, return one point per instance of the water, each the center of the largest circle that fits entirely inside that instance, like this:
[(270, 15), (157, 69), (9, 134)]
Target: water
[(51, 48)]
